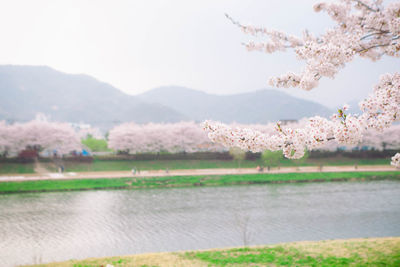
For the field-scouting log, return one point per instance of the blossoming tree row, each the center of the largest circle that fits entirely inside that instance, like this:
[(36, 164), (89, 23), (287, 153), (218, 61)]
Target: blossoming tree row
[(189, 137), (152, 138), (173, 137), (38, 135), (363, 28)]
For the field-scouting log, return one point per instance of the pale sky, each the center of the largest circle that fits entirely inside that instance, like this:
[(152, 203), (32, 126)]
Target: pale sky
[(140, 45)]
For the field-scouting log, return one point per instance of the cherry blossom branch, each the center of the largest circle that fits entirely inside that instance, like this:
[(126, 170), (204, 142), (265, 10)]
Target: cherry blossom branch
[(371, 33), (375, 46), (366, 6), (379, 111)]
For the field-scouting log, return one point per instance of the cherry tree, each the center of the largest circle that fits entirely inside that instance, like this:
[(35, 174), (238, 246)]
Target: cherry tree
[(38, 135), (363, 28), (189, 137), (8, 140), (152, 138)]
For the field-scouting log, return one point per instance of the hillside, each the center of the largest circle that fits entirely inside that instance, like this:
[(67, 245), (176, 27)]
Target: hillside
[(28, 90), (255, 107)]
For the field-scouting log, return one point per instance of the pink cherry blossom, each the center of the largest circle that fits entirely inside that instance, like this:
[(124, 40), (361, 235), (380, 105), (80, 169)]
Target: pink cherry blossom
[(363, 28)]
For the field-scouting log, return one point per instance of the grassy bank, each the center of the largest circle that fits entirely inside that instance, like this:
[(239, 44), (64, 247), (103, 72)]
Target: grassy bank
[(122, 165), (16, 168), (126, 165), (351, 252), (188, 181)]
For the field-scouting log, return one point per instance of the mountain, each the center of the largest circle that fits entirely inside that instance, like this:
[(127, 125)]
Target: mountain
[(255, 107), (28, 90)]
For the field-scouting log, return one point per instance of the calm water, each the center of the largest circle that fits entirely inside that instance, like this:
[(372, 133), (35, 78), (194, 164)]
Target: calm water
[(44, 227)]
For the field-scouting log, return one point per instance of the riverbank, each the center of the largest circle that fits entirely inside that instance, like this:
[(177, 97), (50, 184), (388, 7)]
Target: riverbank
[(135, 183), (347, 252), (103, 165)]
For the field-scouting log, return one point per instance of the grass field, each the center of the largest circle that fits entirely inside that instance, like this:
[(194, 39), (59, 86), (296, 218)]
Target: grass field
[(122, 165), (16, 168), (126, 165), (332, 253), (188, 181)]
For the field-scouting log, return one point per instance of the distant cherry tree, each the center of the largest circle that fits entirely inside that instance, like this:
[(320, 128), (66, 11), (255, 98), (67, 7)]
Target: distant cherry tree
[(189, 137), (38, 135), (363, 28), (153, 138)]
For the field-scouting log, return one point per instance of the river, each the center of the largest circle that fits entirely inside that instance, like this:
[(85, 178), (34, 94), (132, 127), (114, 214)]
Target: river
[(45, 227)]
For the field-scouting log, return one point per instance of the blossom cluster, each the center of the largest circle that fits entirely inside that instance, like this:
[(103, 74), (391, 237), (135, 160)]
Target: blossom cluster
[(396, 160), (364, 28), (38, 134), (171, 137), (315, 133), (381, 109)]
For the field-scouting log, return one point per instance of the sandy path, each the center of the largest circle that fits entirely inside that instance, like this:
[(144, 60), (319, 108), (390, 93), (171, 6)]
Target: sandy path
[(158, 173)]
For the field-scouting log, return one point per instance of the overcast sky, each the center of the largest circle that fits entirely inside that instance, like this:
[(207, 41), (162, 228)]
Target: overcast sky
[(138, 45)]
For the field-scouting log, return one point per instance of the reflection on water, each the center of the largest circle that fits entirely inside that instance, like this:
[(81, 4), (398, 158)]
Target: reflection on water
[(46, 227)]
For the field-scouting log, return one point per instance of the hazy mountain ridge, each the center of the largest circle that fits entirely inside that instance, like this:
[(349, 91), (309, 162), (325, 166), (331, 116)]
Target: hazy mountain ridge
[(28, 90), (255, 107)]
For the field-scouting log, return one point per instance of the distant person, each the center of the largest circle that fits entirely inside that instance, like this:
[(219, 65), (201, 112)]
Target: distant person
[(134, 171), (60, 168)]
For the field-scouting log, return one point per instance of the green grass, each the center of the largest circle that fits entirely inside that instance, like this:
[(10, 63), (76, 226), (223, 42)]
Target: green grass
[(187, 181), (274, 255), (122, 165), (126, 165), (360, 253), (16, 168), (95, 145), (383, 252)]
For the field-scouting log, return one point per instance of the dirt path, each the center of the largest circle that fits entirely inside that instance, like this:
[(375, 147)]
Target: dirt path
[(39, 169), (155, 173)]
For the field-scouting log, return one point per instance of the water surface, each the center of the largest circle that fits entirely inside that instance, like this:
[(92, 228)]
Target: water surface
[(45, 227)]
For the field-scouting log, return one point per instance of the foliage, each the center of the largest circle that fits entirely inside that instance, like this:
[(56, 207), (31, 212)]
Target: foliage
[(94, 144), (238, 154), (271, 158)]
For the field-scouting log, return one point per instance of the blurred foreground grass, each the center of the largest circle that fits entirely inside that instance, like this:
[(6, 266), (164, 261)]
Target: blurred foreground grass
[(351, 252)]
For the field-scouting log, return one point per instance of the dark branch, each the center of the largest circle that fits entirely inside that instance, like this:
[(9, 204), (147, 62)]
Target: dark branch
[(366, 6)]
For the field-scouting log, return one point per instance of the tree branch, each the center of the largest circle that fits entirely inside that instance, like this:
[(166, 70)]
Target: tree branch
[(366, 6)]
